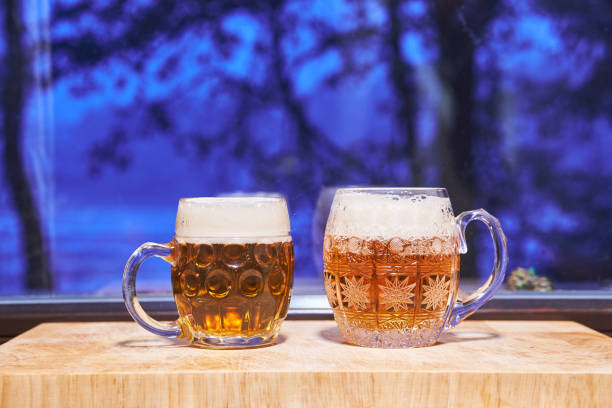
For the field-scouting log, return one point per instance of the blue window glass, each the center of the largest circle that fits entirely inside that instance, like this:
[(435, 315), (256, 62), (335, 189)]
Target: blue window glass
[(113, 110)]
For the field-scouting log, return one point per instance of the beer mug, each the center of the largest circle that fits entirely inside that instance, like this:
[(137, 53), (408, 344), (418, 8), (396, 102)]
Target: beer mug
[(391, 259), (232, 272)]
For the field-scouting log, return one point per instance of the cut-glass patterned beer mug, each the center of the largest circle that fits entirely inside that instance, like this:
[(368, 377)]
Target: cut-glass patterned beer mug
[(232, 272), (391, 260)]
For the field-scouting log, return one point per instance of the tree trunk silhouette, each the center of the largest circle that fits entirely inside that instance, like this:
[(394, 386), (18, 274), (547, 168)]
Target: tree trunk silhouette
[(459, 25), (456, 130), (402, 78), (306, 131), (37, 272)]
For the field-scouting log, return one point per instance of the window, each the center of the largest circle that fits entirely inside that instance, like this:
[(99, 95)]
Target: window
[(112, 111)]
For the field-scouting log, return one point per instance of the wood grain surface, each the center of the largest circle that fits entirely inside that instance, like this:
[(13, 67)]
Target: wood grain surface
[(478, 364)]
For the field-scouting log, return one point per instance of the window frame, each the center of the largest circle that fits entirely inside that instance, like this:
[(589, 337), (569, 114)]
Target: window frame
[(592, 308)]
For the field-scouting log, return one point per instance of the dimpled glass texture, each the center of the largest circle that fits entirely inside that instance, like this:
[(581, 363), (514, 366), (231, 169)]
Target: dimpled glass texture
[(234, 294)]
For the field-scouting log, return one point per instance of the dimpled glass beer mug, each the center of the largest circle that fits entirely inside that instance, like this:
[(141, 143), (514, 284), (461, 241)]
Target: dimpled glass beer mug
[(232, 272), (391, 260)]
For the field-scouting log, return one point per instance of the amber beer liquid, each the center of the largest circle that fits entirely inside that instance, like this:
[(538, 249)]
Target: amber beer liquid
[(381, 286), (390, 283), (232, 289)]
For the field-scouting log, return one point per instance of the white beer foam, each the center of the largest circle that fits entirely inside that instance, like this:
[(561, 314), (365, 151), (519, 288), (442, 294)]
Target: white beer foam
[(372, 215), (234, 240), (241, 219)]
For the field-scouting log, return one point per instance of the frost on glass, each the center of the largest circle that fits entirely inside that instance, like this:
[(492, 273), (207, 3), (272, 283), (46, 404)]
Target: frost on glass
[(392, 265)]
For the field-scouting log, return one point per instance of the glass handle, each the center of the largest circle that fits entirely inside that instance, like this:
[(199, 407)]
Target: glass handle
[(464, 308), (141, 317)]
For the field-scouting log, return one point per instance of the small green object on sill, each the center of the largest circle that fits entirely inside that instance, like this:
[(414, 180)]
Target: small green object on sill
[(527, 279)]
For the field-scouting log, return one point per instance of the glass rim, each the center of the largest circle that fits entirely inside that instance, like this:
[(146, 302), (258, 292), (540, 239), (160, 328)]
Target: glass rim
[(441, 191), (242, 198)]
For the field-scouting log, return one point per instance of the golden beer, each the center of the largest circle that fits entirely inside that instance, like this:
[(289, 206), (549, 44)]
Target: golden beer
[(390, 292), (229, 290)]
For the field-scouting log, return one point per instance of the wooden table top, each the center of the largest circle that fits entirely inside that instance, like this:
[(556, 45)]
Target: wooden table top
[(479, 363)]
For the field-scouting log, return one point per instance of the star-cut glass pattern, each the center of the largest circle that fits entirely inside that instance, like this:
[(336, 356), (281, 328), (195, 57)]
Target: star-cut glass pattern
[(435, 292), (355, 292), (397, 294), (330, 289)]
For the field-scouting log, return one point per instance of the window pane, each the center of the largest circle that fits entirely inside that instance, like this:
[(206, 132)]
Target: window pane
[(113, 110)]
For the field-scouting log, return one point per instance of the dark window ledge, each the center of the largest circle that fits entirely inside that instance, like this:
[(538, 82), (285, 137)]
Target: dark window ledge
[(18, 314)]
